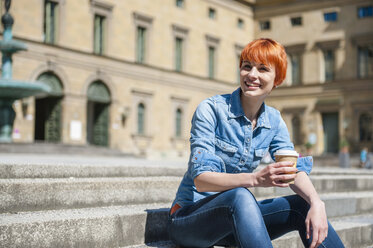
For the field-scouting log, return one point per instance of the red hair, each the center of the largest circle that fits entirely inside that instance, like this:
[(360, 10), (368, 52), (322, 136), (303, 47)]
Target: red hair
[(268, 52)]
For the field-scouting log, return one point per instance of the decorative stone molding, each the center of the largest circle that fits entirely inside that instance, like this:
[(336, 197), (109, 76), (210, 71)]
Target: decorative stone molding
[(362, 39), (328, 44), (101, 7), (142, 20), (179, 31), (212, 40)]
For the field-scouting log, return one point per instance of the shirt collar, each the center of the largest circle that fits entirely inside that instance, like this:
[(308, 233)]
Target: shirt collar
[(236, 110)]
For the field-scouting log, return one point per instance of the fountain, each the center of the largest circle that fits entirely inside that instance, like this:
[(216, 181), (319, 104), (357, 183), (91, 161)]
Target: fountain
[(11, 90)]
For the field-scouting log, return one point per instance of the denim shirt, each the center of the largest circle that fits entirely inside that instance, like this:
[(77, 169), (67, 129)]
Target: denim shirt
[(222, 140)]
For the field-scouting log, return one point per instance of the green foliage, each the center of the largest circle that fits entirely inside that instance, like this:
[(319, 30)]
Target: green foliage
[(308, 145)]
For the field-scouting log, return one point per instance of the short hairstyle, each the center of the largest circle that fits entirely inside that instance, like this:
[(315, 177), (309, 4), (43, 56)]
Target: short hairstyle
[(268, 52)]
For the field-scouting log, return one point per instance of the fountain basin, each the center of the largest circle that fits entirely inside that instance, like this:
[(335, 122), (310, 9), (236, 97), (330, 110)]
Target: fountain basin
[(13, 89)]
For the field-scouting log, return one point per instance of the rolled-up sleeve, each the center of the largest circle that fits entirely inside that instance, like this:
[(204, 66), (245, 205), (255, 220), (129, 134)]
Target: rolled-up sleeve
[(305, 164), (204, 161)]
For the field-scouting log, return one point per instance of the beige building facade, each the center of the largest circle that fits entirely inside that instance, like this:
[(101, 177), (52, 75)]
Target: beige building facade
[(327, 97), (129, 74), (125, 74)]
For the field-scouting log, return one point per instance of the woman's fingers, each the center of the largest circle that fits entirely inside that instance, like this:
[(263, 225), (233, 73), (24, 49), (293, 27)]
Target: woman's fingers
[(315, 238), (284, 167), (283, 164), (308, 228)]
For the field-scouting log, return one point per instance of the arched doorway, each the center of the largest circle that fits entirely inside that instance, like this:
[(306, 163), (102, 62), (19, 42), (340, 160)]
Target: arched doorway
[(98, 114), (48, 110)]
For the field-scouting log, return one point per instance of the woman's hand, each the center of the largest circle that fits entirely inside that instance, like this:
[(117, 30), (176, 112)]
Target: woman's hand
[(316, 223), (274, 175)]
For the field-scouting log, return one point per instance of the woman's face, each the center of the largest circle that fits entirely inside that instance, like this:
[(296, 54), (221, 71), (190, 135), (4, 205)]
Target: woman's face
[(257, 80)]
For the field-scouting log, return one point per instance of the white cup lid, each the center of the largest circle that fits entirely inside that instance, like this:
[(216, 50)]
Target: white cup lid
[(286, 153)]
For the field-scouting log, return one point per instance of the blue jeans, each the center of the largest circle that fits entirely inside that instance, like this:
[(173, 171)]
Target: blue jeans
[(235, 218)]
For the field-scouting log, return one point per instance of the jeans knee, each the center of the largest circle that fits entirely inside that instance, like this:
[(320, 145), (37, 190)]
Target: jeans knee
[(241, 196), (298, 204)]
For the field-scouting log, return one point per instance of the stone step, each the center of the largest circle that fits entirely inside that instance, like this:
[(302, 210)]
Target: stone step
[(113, 226), (31, 194), (40, 194), (324, 184), (79, 168), (117, 226), (356, 232), (54, 166)]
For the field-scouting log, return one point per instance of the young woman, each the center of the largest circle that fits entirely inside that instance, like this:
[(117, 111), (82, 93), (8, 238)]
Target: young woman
[(229, 136)]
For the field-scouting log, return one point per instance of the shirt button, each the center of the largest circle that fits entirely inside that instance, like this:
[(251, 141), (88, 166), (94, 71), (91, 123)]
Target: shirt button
[(242, 162), (248, 139)]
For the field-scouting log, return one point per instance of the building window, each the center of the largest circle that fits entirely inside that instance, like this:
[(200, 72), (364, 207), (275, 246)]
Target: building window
[(296, 21), (180, 3), (178, 123), (212, 13), (365, 61), (212, 46), (265, 25), (331, 16), (296, 130), (50, 21), (143, 26), (295, 62), (141, 118), (178, 54), (211, 58), (99, 34), (238, 73), (329, 61), (366, 11), (365, 127), (238, 49), (180, 35), (140, 44), (240, 23)]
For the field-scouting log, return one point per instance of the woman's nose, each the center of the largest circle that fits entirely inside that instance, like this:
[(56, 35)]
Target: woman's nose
[(253, 72)]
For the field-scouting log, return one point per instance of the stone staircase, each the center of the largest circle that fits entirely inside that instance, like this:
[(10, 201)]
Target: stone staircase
[(99, 203)]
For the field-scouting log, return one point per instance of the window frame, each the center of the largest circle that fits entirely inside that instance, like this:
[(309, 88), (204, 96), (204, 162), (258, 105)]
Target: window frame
[(262, 27), (363, 69), (58, 20), (144, 22), (104, 10), (178, 102), (179, 32), (99, 39), (146, 98), (212, 44), (295, 50), (365, 14), (211, 13), (177, 4), (240, 23), (295, 24), (329, 76), (237, 50), (329, 13)]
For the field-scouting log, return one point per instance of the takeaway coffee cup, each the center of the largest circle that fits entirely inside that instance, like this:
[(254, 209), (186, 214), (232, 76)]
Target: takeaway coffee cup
[(287, 155)]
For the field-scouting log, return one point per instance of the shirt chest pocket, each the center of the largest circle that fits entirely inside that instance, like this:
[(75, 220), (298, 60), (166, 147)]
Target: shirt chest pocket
[(258, 155), (226, 150)]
